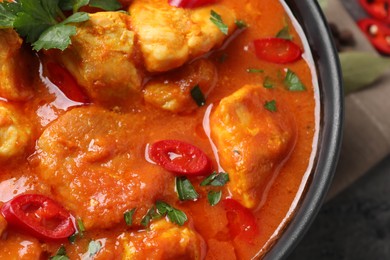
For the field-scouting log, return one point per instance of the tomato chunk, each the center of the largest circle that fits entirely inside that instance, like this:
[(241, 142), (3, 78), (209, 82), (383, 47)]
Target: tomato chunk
[(241, 221), (66, 83), (378, 33), (190, 3), (38, 215), (180, 157), (277, 50)]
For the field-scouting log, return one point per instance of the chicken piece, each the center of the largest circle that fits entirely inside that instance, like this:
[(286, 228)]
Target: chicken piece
[(94, 161), (15, 132), (252, 141), (172, 91), (163, 240), (15, 78), (170, 36), (102, 57)]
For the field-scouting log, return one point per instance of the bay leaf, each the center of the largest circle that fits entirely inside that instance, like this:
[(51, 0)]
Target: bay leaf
[(361, 69)]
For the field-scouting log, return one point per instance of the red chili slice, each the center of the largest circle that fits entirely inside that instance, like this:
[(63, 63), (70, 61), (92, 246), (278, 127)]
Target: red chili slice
[(180, 157), (241, 221), (66, 83), (277, 50), (378, 9), (38, 215), (190, 3), (378, 33)]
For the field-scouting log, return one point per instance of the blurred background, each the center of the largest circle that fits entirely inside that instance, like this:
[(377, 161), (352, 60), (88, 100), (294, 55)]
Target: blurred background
[(354, 222)]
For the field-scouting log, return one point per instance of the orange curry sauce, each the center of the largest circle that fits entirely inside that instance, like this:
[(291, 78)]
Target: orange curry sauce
[(139, 125)]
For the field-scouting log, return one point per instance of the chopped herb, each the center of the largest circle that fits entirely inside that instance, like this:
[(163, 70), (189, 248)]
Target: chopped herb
[(251, 70), (270, 105), (151, 214), (197, 96), (72, 238), (216, 179), (217, 20), (93, 248), (174, 215), (267, 83), (292, 82), (214, 197), (128, 216), (241, 24), (80, 227), (284, 33), (60, 255), (185, 189)]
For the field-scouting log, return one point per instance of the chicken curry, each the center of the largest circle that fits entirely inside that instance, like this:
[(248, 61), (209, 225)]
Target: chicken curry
[(151, 129)]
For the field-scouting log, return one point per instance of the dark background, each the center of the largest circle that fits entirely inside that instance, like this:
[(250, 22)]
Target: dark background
[(353, 225)]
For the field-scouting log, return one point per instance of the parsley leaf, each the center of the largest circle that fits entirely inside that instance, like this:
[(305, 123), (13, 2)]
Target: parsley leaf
[(42, 22), (284, 33), (217, 20), (174, 215), (185, 189), (151, 214), (60, 255), (292, 82), (214, 197), (216, 179), (128, 216), (8, 11), (197, 96), (108, 5), (80, 227), (270, 106), (93, 248)]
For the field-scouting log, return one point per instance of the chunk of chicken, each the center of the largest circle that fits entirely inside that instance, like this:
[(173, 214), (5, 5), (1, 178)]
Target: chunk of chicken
[(15, 79), (252, 141), (15, 132), (102, 57), (163, 240), (170, 36), (98, 171), (172, 91)]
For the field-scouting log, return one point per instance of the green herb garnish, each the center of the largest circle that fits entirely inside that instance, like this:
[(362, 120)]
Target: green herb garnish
[(151, 214), (185, 189), (292, 82), (217, 20), (241, 24), (43, 23), (252, 70), (214, 197), (61, 254), (80, 227), (197, 96), (284, 33), (270, 106), (216, 179), (174, 215), (267, 83), (128, 216)]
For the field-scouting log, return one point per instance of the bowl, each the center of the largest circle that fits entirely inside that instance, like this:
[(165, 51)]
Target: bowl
[(310, 17)]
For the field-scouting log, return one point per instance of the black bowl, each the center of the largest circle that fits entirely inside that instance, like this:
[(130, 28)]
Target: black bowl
[(310, 17)]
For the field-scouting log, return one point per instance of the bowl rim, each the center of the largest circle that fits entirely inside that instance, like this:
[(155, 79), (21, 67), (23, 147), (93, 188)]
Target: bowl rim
[(313, 22)]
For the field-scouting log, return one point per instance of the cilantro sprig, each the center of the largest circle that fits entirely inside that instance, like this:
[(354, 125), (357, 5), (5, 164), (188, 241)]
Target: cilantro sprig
[(43, 23)]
